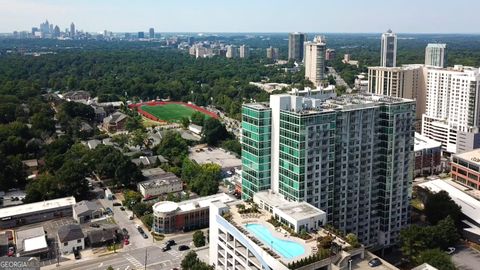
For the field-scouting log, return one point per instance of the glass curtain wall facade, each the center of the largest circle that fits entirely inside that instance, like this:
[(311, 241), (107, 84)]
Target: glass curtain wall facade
[(256, 149)]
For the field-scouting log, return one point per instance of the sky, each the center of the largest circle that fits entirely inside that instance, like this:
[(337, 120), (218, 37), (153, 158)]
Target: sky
[(333, 16)]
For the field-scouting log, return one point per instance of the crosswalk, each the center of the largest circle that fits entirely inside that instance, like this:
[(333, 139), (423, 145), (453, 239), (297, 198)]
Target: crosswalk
[(133, 261)]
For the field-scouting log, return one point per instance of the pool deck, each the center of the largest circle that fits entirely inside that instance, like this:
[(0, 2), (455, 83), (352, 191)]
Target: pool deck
[(310, 245)]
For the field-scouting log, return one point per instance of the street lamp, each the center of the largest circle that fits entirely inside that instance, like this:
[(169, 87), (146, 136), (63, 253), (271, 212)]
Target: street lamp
[(350, 264)]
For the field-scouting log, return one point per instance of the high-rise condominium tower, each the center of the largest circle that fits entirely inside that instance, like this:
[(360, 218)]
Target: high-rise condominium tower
[(151, 33), (315, 60), (72, 30), (349, 156), (388, 57), (404, 82), (232, 51), (436, 55), (295, 46), (452, 114), (244, 51)]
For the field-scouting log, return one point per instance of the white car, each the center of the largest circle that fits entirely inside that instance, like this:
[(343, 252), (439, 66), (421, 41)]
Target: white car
[(450, 250)]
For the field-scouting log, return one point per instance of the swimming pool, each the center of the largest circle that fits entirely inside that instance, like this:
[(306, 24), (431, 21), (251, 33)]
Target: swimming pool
[(287, 249)]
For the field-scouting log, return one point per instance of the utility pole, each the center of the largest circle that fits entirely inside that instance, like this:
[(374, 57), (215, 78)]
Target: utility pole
[(146, 249)]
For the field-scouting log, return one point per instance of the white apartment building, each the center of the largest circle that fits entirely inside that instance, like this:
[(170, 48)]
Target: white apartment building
[(244, 51), (315, 60), (436, 55), (452, 113), (232, 51)]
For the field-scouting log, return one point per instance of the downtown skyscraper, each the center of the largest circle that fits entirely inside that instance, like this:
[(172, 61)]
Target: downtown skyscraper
[(388, 56), (296, 46), (349, 156)]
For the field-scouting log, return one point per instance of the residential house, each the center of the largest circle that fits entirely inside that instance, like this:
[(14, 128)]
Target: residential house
[(115, 122), (70, 238)]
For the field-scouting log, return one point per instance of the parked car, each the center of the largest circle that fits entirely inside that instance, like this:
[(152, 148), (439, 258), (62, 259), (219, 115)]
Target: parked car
[(171, 242), (109, 211), (165, 248), (124, 231), (76, 252), (126, 242), (94, 225), (122, 208), (11, 252), (183, 247), (130, 217), (450, 250), (374, 262), (117, 204), (144, 235)]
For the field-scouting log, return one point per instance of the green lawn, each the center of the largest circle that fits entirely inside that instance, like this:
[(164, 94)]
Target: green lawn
[(169, 112)]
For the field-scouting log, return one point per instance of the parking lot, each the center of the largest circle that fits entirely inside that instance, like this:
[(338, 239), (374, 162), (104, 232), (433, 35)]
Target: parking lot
[(466, 258)]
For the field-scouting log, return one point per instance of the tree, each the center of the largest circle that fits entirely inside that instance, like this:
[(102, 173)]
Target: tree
[(197, 118), (416, 239), (120, 139), (436, 258), (440, 205), (232, 145), (198, 239), (189, 261), (352, 240), (147, 220), (130, 198), (173, 147), (139, 138), (185, 122), (213, 132), (110, 268), (140, 208)]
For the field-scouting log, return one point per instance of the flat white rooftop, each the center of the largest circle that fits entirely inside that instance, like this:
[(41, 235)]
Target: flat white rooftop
[(470, 206), (471, 156), (34, 207), (422, 142), (296, 210), (189, 205)]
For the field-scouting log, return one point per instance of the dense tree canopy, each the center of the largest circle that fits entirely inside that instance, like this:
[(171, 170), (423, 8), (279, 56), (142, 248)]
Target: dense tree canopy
[(440, 205)]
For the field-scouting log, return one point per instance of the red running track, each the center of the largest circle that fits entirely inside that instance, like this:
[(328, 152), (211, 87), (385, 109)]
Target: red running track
[(156, 103)]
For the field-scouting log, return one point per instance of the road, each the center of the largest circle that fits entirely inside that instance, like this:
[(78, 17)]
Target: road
[(338, 79), (121, 217), (129, 259)]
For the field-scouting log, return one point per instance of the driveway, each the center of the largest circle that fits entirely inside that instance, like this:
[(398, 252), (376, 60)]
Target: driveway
[(466, 258), (121, 218)]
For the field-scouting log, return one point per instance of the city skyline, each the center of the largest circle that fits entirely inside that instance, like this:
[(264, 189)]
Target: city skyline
[(212, 16)]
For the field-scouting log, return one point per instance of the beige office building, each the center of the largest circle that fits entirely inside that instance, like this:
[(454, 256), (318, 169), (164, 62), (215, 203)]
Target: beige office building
[(315, 60)]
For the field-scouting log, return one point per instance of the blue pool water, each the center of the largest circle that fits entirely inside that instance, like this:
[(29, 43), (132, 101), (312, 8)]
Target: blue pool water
[(287, 249)]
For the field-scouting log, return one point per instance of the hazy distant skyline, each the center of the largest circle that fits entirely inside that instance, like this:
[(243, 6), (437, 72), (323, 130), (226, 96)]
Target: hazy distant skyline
[(346, 16)]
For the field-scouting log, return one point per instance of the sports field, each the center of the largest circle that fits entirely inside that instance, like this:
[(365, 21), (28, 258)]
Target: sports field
[(169, 112)]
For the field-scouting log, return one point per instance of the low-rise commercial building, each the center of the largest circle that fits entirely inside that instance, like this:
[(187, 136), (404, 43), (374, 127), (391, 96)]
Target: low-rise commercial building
[(115, 122), (85, 211), (31, 242), (14, 216), (170, 217), (70, 238), (466, 168), (164, 183), (299, 216), (428, 155)]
